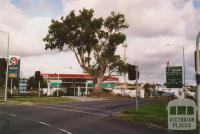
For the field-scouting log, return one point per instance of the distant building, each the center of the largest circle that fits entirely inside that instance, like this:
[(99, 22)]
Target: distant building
[(178, 92), (129, 90)]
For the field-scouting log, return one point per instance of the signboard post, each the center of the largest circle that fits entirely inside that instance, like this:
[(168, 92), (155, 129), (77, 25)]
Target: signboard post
[(174, 77)]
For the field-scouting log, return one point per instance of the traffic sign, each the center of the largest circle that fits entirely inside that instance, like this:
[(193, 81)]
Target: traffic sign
[(174, 77)]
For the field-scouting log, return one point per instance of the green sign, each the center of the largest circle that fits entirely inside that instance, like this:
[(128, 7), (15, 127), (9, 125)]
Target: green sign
[(111, 85), (174, 77), (56, 83)]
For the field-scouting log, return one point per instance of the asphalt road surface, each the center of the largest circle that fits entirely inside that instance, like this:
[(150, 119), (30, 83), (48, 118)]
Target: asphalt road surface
[(94, 117)]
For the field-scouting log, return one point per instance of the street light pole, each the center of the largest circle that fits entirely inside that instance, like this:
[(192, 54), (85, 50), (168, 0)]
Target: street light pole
[(6, 88), (136, 100), (8, 47), (197, 80), (184, 89)]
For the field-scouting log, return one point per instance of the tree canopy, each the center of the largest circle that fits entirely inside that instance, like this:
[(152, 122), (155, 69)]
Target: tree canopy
[(94, 41)]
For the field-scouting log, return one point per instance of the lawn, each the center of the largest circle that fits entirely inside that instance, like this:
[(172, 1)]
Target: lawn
[(36, 100), (150, 115)]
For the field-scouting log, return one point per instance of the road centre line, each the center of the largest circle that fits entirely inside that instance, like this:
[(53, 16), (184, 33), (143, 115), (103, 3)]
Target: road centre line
[(39, 122), (78, 111), (95, 109)]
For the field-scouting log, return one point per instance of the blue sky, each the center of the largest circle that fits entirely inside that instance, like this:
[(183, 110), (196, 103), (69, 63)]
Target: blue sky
[(52, 7), (40, 7), (196, 3)]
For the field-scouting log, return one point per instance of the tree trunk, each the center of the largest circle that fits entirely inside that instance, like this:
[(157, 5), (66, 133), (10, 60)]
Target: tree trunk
[(98, 87)]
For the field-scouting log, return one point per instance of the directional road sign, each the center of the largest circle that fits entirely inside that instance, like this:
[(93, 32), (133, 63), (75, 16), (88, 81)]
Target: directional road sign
[(174, 77)]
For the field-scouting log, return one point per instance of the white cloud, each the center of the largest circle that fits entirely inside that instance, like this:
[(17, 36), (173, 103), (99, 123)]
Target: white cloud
[(146, 18), (153, 24), (55, 63), (26, 33)]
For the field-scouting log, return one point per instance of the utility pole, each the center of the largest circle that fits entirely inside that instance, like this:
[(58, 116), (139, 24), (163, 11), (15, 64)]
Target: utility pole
[(11, 87), (57, 85), (198, 80), (184, 81), (6, 88), (39, 88), (136, 82)]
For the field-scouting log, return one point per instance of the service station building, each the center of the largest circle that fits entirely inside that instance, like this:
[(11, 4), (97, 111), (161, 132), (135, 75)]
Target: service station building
[(75, 84)]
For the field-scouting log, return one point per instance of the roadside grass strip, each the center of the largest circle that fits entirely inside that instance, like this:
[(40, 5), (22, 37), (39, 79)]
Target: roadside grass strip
[(36, 100), (150, 115), (147, 114)]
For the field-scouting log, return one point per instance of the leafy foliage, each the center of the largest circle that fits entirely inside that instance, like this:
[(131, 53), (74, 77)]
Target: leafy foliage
[(93, 40), (33, 84)]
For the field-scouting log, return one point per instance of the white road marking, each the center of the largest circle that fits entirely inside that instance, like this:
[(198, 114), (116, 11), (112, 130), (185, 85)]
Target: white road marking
[(95, 109), (39, 122), (78, 111), (49, 125), (13, 115)]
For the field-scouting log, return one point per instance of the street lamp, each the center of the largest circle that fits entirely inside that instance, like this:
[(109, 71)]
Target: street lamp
[(197, 78), (183, 51), (6, 87)]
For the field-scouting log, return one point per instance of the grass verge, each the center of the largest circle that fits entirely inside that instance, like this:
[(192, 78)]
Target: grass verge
[(37, 100), (150, 115)]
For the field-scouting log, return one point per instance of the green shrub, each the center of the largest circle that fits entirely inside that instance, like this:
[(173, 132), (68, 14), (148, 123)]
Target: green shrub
[(60, 93), (9, 95)]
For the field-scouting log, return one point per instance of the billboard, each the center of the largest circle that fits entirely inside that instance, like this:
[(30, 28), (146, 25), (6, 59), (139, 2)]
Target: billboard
[(14, 67)]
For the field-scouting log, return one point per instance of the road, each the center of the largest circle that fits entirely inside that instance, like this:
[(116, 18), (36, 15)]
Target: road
[(94, 117)]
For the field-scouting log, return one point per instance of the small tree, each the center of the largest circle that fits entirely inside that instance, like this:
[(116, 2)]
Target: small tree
[(93, 40), (147, 87)]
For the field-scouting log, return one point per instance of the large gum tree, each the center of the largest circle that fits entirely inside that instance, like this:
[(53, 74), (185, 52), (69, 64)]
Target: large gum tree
[(94, 41)]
